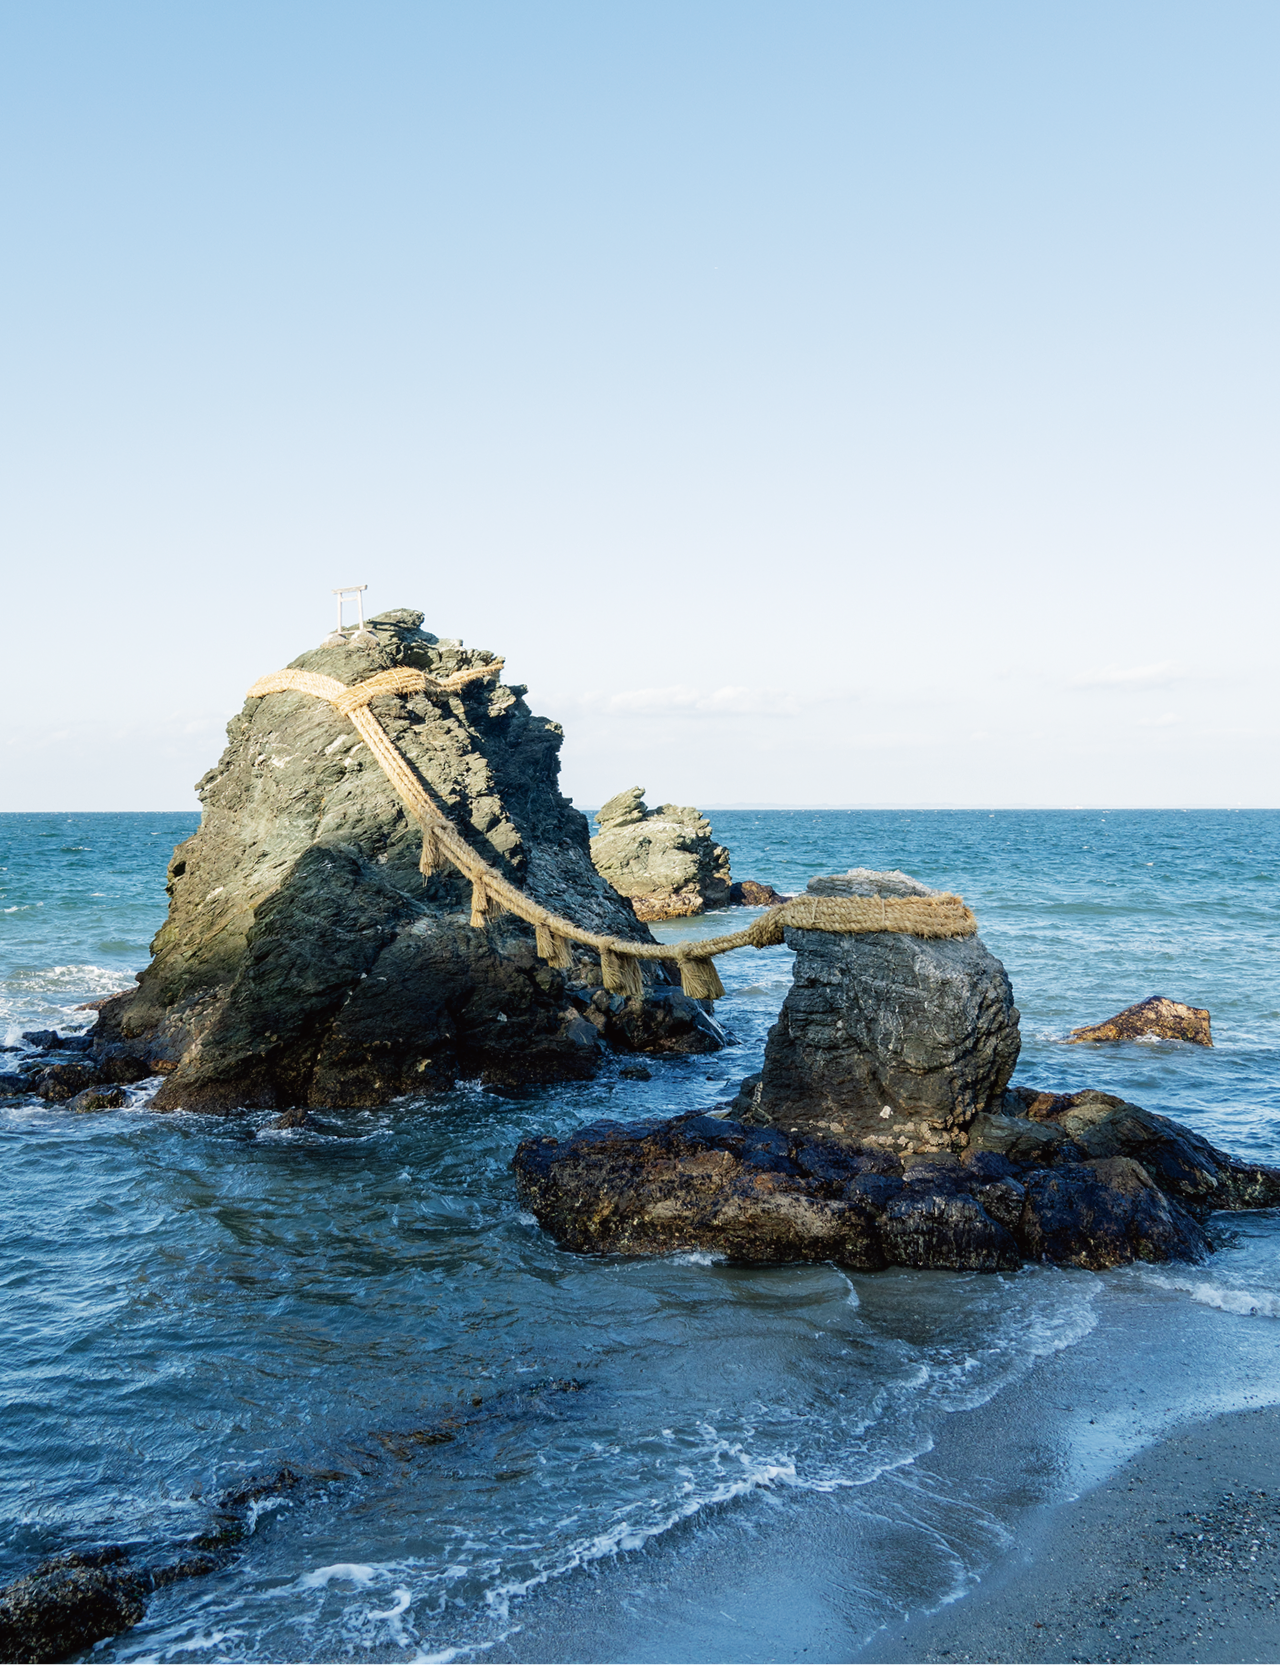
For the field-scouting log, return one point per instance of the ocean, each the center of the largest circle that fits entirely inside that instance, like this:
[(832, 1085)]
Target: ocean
[(509, 1452)]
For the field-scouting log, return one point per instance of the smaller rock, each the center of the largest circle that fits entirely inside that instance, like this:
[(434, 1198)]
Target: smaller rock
[(99, 1099), (1156, 1016), (65, 1081), (665, 861), (41, 1038), (68, 1604), (635, 1073), (294, 1117), (749, 893), (11, 1082)]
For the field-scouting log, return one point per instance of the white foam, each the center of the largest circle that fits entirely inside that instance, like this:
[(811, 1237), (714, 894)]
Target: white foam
[(359, 1573), (1227, 1298), (401, 1603)]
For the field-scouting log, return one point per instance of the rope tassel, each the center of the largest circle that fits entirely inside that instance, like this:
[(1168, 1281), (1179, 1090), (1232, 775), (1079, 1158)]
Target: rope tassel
[(479, 904), (700, 980), (432, 859), (621, 974), (552, 948)]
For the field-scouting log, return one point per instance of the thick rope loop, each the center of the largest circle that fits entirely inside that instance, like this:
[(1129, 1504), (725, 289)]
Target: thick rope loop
[(491, 893)]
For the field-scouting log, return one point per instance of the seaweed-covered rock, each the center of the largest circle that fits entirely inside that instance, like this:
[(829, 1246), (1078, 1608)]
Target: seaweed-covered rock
[(306, 961), (67, 1604), (665, 860), (889, 1040), (1158, 1017)]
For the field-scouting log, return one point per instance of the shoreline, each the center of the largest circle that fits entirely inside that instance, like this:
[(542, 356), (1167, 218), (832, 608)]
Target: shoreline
[(1175, 1557), (945, 1557)]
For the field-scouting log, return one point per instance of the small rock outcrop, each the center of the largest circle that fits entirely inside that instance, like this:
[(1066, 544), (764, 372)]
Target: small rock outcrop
[(306, 961), (1097, 1183), (1156, 1016), (67, 1604), (665, 860), (750, 893), (893, 1042)]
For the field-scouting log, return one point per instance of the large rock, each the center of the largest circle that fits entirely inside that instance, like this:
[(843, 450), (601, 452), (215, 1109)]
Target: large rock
[(889, 1042), (1157, 1017), (665, 860), (1103, 1183), (305, 960)]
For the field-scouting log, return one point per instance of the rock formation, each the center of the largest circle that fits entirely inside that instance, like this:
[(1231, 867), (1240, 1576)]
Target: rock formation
[(893, 1042), (664, 860), (1096, 1183), (750, 893), (1156, 1016), (306, 961), (882, 1131)]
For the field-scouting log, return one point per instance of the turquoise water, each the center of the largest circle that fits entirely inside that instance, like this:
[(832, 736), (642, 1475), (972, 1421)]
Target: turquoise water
[(187, 1300)]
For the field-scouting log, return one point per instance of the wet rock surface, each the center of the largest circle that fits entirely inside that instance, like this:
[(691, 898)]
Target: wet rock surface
[(306, 961), (666, 861), (899, 1040), (1101, 1183), (1156, 1017), (70, 1602)]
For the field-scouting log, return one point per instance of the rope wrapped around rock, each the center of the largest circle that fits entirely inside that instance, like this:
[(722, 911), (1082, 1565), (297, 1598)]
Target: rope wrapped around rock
[(491, 893)]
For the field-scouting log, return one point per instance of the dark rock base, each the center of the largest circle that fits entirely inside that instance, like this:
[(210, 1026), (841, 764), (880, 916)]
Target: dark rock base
[(702, 1182)]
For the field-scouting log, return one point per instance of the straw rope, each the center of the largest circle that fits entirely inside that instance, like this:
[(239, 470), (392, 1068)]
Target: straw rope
[(491, 893)]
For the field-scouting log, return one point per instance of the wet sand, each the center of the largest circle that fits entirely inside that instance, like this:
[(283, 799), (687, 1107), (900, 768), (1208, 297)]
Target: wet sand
[(1174, 1558), (1031, 1504)]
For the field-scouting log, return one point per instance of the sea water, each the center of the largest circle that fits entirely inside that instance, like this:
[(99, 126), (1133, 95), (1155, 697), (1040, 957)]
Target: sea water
[(498, 1440)]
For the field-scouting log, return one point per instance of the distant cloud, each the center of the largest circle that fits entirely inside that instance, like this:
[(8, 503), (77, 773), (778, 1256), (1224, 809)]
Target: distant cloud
[(1134, 676), (680, 698)]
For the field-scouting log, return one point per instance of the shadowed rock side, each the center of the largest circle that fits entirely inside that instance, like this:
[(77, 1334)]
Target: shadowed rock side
[(897, 1041), (1095, 1183), (305, 961), (664, 860), (1158, 1017)]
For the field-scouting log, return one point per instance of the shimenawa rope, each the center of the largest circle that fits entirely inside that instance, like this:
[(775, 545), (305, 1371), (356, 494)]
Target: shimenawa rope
[(937, 916)]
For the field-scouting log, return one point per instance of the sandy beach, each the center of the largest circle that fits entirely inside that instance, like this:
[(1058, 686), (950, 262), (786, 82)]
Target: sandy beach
[(1065, 1513), (1175, 1558)]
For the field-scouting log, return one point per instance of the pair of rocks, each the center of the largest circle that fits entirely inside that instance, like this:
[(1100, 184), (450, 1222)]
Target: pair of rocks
[(666, 861)]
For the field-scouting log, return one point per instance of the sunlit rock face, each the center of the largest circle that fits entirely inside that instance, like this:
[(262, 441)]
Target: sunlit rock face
[(891, 1042), (306, 961), (665, 860)]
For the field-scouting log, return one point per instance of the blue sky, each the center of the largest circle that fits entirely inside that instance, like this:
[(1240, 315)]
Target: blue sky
[(816, 404)]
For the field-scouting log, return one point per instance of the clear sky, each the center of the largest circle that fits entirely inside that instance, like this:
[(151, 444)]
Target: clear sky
[(817, 403)]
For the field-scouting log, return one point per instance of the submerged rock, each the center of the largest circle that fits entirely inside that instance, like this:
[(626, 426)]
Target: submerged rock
[(1137, 1187), (894, 1042), (306, 961), (665, 860), (1156, 1016)]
